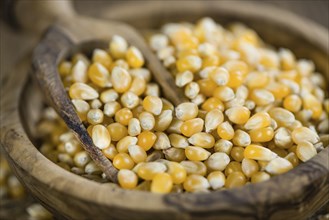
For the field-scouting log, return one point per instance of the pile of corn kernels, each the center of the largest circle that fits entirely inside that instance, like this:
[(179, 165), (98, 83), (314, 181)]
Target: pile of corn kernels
[(254, 112), (11, 191)]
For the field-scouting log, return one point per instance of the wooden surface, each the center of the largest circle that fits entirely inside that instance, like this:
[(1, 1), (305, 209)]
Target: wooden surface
[(180, 206)]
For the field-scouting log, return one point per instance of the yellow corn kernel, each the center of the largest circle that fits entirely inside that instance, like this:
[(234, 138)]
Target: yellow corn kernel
[(120, 79), (258, 120), (82, 107), (162, 183), (146, 140), (207, 87), (279, 90), (178, 141), (79, 72), (225, 131), (293, 159), (152, 104), (212, 103), (260, 177), (146, 120), (123, 116), (101, 137), (102, 57), (138, 85), (282, 138), (149, 170), (208, 61), (162, 142), (213, 119), (184, 78), (220, 76), (110, 152), (278, 166), (141, 73), (192, 126), (129, 100), (237, 153), (127, 179), (166, 105), (305, 151), (194, 183), (257, 152), (191, 90), (249, 167), (177, 172), (202, 139), (81, 159), (216, 179), (232, 167), (292, 103), (123, 161), (186, 111), (117, 131), (194, 167), (159, 41), (241, 138), (137, 153), (152, 89), (163, 121), (302, 134), (118, 47), (134, 57), (310, 102), (120, 63), (95, 116), (287, 58), (223, 146), (134, 127), (218, 161), (238, 114), (109, 95), (235, 179), (64, 68), (196, 153), (82, 91), (189, 63), (262, 97), (96, 104), (262, 134), (257, 80), (282, 116), (224, 93), (124, 143)]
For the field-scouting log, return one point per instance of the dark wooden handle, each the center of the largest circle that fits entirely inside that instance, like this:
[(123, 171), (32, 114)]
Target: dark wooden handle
[(35, 15), (44, 67)]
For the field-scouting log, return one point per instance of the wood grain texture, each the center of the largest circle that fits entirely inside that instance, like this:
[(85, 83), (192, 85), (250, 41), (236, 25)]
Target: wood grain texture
[(294, 195)]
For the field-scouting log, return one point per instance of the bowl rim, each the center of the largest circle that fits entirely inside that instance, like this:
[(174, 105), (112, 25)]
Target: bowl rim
[(13, 134)]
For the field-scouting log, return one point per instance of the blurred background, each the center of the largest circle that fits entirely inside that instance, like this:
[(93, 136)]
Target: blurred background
[(14, 45)]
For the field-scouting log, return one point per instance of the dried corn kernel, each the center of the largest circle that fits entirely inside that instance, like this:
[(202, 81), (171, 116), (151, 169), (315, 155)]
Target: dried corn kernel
[(127, 179), (257, 152), (161, 183)]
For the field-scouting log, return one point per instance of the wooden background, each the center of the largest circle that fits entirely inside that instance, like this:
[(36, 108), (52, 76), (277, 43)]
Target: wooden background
[(15, 45)]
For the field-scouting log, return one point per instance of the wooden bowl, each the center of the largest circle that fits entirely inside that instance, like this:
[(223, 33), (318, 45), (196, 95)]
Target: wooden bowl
[(295, 195)]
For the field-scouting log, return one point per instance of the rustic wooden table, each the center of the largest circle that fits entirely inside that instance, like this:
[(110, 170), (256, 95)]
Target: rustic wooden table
[(16, 45)]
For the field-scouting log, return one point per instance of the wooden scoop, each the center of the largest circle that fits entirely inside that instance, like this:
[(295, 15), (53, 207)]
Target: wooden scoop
[(69, 30)]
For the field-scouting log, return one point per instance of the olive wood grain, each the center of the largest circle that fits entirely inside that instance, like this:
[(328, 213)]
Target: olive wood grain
[(75, 30), (294, 195)]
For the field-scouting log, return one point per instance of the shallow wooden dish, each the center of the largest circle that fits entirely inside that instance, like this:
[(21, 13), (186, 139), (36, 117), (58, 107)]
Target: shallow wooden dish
[(294, 195)]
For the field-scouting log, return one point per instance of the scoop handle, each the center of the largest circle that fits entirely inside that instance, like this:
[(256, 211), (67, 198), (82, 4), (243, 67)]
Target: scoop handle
[(35, 15)]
